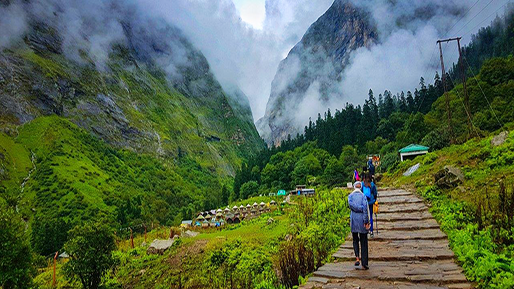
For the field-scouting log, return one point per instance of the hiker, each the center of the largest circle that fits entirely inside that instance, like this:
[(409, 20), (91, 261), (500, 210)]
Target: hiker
[(371, 168), (370, 191), (359, 224), (356, 175)]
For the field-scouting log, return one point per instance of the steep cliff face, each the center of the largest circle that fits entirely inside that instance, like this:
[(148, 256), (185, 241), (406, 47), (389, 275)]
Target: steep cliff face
[(153, 92), (309, 77)]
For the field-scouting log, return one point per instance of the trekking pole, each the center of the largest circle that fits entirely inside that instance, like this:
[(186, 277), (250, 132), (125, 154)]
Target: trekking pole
[(376, 222)]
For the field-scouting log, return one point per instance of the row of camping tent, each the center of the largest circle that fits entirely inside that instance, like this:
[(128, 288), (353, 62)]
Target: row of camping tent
[(216, 218)]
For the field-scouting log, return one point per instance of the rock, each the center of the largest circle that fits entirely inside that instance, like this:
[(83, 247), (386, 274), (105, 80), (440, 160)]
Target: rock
[(500, 139), (270, 221), (288, 237), (411, 170), (159, 246), (190, 234), (449, 177)]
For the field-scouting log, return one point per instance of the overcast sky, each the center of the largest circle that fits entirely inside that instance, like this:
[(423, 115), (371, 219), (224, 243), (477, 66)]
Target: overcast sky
[(244, 41), (252, 12)]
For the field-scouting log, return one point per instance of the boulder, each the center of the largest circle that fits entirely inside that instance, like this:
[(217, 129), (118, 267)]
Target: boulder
[(411, 170), (190, 234), (159, 246), (500, 139), (449, 177)]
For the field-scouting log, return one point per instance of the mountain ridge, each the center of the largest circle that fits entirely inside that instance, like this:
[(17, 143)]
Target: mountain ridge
[(311, 71)]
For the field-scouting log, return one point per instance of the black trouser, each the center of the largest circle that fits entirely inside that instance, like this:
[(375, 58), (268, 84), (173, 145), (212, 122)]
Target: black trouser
[(363, 238)]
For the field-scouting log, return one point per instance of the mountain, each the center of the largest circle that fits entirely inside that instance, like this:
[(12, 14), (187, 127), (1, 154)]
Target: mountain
[(152, 93), (308, 78), (112, 116)]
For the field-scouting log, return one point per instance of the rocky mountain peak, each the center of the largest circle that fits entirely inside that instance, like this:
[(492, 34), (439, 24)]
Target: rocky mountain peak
[(308, 79)]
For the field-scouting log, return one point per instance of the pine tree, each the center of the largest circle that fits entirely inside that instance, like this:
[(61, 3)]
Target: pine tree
[(402, 106), (411, 105)]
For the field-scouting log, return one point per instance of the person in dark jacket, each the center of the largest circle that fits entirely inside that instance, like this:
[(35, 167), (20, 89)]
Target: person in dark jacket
[(370, 191), (359, 224), (371, 168)]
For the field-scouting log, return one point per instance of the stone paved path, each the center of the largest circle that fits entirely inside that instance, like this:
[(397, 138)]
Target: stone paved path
[(409, 251)]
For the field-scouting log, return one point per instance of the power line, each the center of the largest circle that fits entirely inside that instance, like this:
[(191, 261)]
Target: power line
[(490, 107), (472, 29), (465, 109), (466, 13), (474, 16)]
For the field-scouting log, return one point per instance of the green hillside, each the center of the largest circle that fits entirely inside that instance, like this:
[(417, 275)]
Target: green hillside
[(275, 250), (80, 178), (477, 211)]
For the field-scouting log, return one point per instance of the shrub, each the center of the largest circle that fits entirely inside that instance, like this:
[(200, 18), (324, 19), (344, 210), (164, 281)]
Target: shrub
[(90, 249), (15, 255)]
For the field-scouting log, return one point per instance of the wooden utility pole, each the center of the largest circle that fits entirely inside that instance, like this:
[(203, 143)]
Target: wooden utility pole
[(449, 112), (466, 97)]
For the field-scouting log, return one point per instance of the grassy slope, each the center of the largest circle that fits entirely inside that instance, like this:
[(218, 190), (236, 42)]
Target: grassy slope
[(144, 100), (80, 177), (486, 260), (253, 246), (481, 163)]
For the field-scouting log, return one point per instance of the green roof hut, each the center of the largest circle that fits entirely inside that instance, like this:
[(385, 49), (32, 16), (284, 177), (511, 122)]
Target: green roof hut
[(411, 151)]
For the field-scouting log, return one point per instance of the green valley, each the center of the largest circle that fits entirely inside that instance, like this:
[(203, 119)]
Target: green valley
[(130, 156)]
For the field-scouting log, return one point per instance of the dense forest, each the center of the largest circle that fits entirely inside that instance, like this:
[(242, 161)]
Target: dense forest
[(384, 124)]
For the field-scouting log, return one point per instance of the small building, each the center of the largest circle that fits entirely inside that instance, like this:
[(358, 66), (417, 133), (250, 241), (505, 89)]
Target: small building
[(411, 151), (186, 224), (281, 193), (273, 203), (301, 190), (308, 192)]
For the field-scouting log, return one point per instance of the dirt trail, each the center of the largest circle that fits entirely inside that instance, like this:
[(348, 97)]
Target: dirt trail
[(409, 251)]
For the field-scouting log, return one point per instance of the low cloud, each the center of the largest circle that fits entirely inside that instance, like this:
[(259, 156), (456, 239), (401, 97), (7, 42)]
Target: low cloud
[(13, 23)]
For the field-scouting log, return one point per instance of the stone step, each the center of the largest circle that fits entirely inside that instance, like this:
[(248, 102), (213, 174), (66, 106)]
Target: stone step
[(431, 272), (424, 234), (400, 250), (402, 208), (405, 216), (352, 283), (404, 225), (390, 193), (399, 200)]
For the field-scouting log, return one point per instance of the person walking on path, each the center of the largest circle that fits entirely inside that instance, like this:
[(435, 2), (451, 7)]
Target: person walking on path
[(371, 168), (359, 224), (370, 191), (356, 175)]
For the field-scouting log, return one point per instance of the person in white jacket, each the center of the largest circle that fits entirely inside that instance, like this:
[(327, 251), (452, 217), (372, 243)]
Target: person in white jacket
[(359, 224)]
